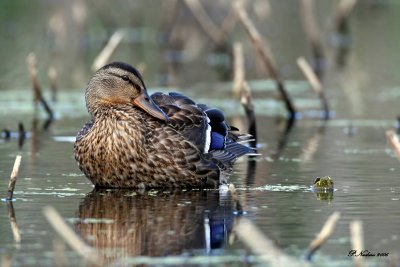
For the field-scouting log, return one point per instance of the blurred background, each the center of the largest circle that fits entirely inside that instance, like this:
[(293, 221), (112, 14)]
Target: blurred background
[(68, 36), (175, 49)]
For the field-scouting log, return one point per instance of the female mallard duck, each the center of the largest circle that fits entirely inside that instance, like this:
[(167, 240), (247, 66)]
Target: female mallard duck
[(137, 141)]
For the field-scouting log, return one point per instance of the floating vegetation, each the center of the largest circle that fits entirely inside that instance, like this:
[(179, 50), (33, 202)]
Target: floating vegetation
[(279, 188)]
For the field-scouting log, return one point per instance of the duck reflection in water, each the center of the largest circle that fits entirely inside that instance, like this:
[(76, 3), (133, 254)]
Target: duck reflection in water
[(155, 223)]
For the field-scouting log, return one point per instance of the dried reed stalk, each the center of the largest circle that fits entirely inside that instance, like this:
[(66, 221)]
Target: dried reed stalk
[(307, 15), (21, 134), (242, 89), (343, 11), (247, 103), (357, 243), (108, 50), (315, 83), (261, 245), (31, 63), (265, 55), (323, 235), (204, 20), (393, 140), (76, 243), (13, 177), (52, 74), (238, 68)]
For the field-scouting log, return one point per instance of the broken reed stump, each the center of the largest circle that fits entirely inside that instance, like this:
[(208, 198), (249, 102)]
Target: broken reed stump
[(341, 30), (52, 74), (104, 56), (315, 83), (393, 140), (343, 11), (238, 68), (357, 242), (76, 243), (13, 178), (308, 18), (247, 103), (31, 63), (21, 134), (323, 235), (242, 89), (265, 55)]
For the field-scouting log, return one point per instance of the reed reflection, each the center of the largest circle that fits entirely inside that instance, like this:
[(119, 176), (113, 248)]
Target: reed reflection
[(155, 223)]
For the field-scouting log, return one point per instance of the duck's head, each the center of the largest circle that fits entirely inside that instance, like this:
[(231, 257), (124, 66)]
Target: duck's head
[(120, 84)]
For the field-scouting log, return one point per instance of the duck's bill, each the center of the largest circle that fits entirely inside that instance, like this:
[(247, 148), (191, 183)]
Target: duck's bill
[(145, 103)]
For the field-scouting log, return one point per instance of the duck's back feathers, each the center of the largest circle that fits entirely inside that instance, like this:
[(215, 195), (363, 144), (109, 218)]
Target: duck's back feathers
[(203, 126)]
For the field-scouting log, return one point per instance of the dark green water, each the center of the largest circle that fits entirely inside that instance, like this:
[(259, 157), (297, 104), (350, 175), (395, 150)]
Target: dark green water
[(196, 226)]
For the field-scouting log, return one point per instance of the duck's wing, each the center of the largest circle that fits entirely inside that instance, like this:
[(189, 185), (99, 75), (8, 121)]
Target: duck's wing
[(85, 129), (204, 127), (186, 118)]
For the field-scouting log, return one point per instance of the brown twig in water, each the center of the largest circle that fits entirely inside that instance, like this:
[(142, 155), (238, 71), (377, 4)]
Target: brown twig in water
[(38, 96), (52, 74), (105, 54), (247, 103), (204, 20), (323, 235), (13, 223), (393, 140), (357, 245), (13, 178), (238, 68), (307, 15), (242, 89), (315, 83), (343, 11), (342, 30), (21, 135), (261, 245), (76, 243), (265, 55)]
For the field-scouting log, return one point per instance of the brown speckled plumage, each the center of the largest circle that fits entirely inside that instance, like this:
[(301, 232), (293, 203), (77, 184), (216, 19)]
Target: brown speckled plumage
[(133, 141)]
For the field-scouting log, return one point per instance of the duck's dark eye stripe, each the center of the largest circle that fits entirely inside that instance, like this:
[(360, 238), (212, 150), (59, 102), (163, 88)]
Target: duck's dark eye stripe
[(125, 78), (137, 87)]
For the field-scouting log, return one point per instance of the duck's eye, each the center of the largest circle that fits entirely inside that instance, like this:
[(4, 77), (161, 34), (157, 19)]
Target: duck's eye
[(125, 78)]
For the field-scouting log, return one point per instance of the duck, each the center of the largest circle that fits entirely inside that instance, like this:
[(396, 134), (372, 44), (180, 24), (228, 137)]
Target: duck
[(166, 140)]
